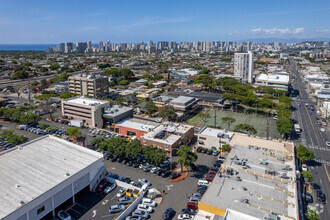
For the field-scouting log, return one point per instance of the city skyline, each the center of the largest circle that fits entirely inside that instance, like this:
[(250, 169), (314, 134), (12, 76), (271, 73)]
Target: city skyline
[(53, 22)]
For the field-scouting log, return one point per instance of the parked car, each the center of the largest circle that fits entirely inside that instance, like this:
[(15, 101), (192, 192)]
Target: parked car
[(327, 143), (155, 169), (166, 174), (199, 150), (109, 188), (215, 153), (321, 196), (149, 202), (217, 163), (209, 152), (145, 208), (139, 212), (185, 216), (194, 199), (144, 181), (174, 175), (192, 205), (189, 211), (125, 200), (134, 217), (210, 177), (63, 215), (116, 208), (102, 185), (204, 150), (121, 192), (304, 167), (309, 198), (129, 192), (169, 213)]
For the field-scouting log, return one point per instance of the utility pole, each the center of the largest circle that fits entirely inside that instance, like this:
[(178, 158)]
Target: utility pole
[(29, 97), (215, 117)]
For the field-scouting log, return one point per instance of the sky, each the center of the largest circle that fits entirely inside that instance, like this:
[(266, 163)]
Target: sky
[(55, 21)]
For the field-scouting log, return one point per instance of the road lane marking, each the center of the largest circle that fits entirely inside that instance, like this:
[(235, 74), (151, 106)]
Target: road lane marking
[(105, 202), (94, 213), (326, 170)]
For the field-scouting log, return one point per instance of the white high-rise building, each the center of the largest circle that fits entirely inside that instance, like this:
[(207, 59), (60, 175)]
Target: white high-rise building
[(243, 66)]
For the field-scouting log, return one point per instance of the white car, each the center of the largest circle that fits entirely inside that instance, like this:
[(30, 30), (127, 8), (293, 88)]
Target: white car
[(121, 192), (185, 216), (149, 202), (63, 215), (145, 208), (304, 167), (141, 213), (144, 181), (327, 143), (154, 170), (109, 188), (322, 129)]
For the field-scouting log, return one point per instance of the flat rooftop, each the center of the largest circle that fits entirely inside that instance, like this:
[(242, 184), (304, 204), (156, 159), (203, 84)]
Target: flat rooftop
[(172, 132), (138, 124), (274, 78), (182, 100), (263, 193), (36, 167), (215, 132), (85, 101), (115, 110)]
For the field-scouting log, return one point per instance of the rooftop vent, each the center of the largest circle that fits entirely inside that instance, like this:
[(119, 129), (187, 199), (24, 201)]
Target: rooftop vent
[(17, 185), (67, 174), (21, 202)]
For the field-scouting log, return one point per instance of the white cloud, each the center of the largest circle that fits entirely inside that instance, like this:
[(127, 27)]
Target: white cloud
[(278, 31)]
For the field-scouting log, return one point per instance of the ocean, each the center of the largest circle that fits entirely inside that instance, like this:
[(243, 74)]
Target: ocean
[(39, 47)]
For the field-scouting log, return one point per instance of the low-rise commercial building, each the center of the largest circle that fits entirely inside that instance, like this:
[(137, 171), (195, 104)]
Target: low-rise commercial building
[(184, 105), (92, 85), (169, 136), (40, 175), (212, 138), (135, 127), (274, 81), (87, 110), (256, 181), (206, 99), (115, 113)]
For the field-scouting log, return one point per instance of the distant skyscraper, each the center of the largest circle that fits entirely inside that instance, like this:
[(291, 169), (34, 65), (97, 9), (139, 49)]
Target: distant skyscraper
[(61, 48), (248, 46), (101, 46), (81, 47), (150, 43), (68, 47), (243, 66), (89, 44), (108, 48)]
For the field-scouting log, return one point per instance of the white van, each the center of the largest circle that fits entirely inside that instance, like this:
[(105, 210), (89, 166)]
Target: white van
[(203, 183)]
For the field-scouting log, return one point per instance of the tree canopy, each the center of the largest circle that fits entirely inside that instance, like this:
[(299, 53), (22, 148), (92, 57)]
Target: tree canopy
[(168, 112), (303, 154), (206, 80), (150, 108), (186, 156), (228, 121), (74, 131), (246, 128)]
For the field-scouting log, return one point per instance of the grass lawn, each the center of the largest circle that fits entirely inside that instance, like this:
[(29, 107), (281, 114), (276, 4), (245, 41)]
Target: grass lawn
[(258, 122)]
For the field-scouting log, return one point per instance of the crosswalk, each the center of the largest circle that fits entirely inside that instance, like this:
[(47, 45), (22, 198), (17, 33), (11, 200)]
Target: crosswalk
[(318, 148), (326, 162)]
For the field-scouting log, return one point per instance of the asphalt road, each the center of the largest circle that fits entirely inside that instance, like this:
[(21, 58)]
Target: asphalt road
[(314, 139)]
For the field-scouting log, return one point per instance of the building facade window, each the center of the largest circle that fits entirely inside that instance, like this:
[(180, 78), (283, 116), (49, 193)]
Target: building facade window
[(41, 209)]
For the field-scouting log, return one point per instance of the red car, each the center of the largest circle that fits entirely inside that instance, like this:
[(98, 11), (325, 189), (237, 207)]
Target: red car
[(210, 177), (102, 185), (192, 205), (211, 172)]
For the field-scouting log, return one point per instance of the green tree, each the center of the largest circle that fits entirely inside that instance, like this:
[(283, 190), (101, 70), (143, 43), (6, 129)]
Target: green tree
[(247, 128), (204, 116), (54, 66), (168, 113), (284, 126), (206, 80), (204, 70), (311, 214), (20, 74), (228, 121), (52, 128), (123, 83), (133, 148), (308, 176), (44, 96), (67, 95), (43, 125), (28, 118), (186, 156), (225, 147), (74, 131), (150, 108), (154, 155), (303, 154)]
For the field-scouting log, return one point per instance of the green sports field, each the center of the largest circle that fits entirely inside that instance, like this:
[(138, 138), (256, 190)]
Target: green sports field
[(259, 123)]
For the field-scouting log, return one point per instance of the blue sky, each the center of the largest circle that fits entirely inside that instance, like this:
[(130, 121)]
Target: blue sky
[(48, 21)]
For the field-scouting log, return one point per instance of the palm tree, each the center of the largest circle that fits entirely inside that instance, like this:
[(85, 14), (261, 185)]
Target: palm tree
[(186, 156)]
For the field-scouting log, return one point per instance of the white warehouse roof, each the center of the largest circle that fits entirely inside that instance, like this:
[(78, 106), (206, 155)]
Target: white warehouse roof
[(36, 167), (274, 78)]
